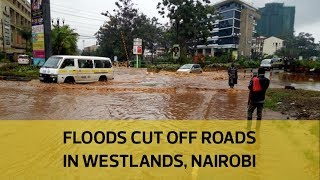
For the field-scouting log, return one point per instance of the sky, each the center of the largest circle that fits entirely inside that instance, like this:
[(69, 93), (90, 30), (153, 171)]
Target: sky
[(85, 16)]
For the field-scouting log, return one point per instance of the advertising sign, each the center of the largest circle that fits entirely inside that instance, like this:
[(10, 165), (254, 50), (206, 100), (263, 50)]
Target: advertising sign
[(137, 46), (38, 40), (137, 50), (7, 32), (137, 42), (176, 51)]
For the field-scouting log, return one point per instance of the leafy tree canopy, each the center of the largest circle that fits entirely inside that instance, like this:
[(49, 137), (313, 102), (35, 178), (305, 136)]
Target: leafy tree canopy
[(116, 36), (192, 19), (64, 40), (301, 45)]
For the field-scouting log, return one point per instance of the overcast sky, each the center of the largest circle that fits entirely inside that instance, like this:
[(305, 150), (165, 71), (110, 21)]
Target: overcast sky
[(85, 16)]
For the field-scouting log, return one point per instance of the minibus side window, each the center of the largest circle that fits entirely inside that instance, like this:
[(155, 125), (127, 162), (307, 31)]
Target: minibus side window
[(107, 64), (67, 63), (98, 64), (85, 63)]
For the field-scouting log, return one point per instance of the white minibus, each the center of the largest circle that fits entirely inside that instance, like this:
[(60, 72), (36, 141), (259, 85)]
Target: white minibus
[(76, 69)]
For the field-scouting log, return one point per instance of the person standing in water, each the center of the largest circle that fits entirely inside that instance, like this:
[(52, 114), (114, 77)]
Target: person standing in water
[(258, 87), (233, 75)]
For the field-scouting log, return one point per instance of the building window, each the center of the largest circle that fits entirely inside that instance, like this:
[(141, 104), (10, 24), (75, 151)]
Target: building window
[(228, 40), (237, 15), (225, 32), (226, 23), (237, 23), (227, 15)]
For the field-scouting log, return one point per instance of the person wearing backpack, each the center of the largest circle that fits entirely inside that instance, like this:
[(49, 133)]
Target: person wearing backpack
[(258, 87)]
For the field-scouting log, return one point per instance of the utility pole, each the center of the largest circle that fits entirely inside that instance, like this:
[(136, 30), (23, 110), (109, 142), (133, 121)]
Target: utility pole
[(47, 28)]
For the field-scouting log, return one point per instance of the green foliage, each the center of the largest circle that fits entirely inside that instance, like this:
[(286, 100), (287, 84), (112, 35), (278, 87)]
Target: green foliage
[(116, 36), (26, 34), (192, 21), (301, 45), (307, 64), (248, 63), (64, 40), (4, 61), (275, 96), (216, 66), (164, 67), (14, 69), (225, 58)]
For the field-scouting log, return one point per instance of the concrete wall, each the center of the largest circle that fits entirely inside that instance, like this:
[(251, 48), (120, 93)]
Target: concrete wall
[(247, 27), (271, 45)]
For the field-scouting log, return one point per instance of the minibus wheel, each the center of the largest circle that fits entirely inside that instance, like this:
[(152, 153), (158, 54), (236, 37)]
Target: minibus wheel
[(103, 78), (69, 80)]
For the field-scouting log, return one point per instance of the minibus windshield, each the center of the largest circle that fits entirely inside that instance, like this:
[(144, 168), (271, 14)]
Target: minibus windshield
[(52, 62)]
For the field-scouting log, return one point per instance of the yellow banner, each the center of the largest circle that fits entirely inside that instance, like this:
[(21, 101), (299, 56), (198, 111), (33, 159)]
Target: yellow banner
[(159, 150)]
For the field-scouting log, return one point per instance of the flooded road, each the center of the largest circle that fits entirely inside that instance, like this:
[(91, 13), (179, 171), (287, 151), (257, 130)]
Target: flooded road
[(133, 94)]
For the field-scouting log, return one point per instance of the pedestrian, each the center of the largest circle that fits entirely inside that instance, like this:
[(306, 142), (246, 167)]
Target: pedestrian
[(233, 75), (258, 87)]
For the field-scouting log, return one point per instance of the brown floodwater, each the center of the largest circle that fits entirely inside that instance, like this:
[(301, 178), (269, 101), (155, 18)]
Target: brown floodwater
[(133, 94)]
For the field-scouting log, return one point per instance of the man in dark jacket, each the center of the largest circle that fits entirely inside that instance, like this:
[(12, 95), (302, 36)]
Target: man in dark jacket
[(233, 75), (258, 87)]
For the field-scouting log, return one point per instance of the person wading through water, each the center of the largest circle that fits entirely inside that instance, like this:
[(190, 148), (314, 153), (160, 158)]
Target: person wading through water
[(258, 87), (233, 75)]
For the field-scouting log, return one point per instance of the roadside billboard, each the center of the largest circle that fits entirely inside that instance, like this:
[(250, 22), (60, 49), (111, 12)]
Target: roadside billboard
[(38, 40)]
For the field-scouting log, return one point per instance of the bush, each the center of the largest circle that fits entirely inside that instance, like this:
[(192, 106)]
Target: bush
[(221, 59), (14, 69), (216, 66), (247, 63), (4, 61), (164, 67), (153, 68), (306, 64)]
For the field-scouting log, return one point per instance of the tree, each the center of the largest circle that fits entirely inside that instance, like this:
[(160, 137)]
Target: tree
[(26, 34), (192, 20), (301, 45), (64, 40), (116, 36)]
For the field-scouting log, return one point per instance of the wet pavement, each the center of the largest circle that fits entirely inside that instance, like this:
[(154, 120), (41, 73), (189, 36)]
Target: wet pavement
[(134, 94)]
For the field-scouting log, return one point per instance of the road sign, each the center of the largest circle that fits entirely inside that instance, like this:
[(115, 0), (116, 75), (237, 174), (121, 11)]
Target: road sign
[(176, 51), (137, 42), (137, 50)]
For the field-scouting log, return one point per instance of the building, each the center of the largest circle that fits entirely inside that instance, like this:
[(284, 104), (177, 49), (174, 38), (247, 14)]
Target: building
[(263, 46), (14, 15), (234, 30), (276, 20), (89, 49), (271, 45), (257, 47)]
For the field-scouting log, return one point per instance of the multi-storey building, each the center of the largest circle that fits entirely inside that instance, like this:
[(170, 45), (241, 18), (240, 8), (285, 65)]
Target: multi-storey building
[(14, 15), (276, 20), (234, 29), (263, 46)]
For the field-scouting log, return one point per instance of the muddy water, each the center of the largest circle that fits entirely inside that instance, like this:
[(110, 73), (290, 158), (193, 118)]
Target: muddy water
[(134, 94), (299, 81)]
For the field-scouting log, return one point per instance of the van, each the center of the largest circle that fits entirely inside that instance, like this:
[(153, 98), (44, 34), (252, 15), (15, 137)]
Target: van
[(76, 69)]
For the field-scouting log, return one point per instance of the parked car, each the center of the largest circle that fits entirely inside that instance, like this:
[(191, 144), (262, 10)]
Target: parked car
[(272, 63), (23, 59), (266, 64), (190, 68)]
